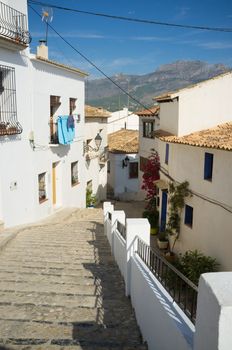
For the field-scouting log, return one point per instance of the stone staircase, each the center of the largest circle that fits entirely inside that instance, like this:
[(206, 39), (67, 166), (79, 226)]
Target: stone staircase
[(61, 289)]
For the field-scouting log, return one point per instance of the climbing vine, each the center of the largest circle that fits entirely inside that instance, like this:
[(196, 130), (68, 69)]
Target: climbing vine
[(177, 195)]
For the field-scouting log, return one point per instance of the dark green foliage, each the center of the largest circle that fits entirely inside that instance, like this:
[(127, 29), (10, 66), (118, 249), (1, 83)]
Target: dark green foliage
[(177, 195), (90, 199), (193, 263), (152, 216)]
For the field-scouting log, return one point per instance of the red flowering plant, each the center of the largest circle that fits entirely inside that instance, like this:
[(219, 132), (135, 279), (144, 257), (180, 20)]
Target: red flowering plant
[(151, 173)]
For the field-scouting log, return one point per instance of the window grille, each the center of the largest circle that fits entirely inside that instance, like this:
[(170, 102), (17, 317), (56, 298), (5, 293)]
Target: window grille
[(148, 128), (13, 25), (133, 170), (74, 173), (42, 187), (9, 124)]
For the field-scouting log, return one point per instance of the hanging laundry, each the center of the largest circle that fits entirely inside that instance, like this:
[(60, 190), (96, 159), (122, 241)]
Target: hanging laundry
[(70, 122), (65, 134)]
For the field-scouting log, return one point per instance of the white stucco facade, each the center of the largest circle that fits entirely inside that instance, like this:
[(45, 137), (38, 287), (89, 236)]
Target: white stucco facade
[(211, 200), (123, 119), (96, 161), (119, 179), (197, 107), (26, 155)]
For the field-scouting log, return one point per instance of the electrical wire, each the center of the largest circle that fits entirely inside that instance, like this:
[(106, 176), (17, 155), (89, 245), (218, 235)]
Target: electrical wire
[(210, 200), (94, 65), (130, 19)]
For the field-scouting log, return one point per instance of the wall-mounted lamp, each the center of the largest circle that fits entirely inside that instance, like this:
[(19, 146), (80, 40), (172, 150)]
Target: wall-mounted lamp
[(98, 141), (125, 162)]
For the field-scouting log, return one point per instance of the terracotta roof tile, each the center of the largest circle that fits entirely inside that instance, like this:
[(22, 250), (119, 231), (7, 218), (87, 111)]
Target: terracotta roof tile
[(96, 112), (151, 112), (161, 133), (219, 137), (124, 141)]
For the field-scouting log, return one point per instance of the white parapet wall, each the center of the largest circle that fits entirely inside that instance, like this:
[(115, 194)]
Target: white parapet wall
[(155, 310), (214, 312), (162, 323)]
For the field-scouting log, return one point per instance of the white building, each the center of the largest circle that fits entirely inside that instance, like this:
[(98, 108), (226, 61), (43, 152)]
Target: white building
[(96, 156), (191, 109), (204, 159), (38, 174), (123, 119), (122, 165), (148, 124)]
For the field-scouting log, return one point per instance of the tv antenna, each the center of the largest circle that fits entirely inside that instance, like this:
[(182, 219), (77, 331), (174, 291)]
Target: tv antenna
[(47, 17)]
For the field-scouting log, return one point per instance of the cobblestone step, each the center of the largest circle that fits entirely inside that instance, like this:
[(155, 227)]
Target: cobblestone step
[(60, 289)]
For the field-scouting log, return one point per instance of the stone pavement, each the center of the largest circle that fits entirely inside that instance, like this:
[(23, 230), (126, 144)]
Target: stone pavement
[(61, 289)]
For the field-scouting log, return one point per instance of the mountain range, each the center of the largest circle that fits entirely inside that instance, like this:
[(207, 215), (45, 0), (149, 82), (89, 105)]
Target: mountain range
[(168, 77)]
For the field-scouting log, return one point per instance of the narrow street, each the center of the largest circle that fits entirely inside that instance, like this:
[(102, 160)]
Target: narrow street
[(61, 289)]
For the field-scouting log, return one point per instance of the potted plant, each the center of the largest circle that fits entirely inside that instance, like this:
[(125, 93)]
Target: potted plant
[(162, 240), (153, 218), (90, 199)]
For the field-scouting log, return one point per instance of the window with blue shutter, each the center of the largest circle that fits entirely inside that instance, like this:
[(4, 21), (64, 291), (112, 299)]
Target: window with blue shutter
[(208, 168), (188, 218), (166, 153)]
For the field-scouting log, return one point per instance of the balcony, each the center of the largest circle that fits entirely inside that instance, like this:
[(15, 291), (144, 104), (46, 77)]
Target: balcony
[(9, 124), (13, 28)]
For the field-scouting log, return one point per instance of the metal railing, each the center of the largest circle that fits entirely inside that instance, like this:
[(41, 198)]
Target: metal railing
[(9, 124), (121, 229), (13, 25), (181, 289)]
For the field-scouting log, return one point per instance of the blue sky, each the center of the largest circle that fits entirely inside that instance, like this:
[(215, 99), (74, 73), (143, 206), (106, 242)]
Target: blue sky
[(133, 48)]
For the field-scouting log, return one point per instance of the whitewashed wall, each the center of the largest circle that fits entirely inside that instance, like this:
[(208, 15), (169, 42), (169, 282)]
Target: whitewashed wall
[(15, 153), (211, 230), (118, 178), (198, 107), (94, 172), (123, 119), (67, 85)]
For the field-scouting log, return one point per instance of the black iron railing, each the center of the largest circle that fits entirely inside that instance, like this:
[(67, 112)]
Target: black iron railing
[(121, 229), (9, 124), (13, 25), (109, 216), (181, 289)]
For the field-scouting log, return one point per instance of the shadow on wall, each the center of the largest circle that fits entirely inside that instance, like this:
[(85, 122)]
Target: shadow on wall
[(101, 193), (115, 325)]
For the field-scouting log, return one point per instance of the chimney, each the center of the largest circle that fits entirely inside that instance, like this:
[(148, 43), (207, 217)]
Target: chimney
[(42, 49)]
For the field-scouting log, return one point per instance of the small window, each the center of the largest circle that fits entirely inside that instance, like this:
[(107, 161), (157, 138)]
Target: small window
[(108, 167), (166, 153), (188, 219), (1, 82), (148, 128), (208, 168), (74, 173), (133, 170), (72, 105), (42, 187)]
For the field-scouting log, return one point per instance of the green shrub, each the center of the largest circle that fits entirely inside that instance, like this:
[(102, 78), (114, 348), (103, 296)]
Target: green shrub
[(152, 216), (193, 263), (90, 199)]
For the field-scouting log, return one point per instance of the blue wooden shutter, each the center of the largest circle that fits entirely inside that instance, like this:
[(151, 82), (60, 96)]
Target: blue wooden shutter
[(166, 153)]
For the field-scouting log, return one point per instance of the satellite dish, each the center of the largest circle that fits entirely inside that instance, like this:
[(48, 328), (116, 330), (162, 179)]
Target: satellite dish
[(47, 17)]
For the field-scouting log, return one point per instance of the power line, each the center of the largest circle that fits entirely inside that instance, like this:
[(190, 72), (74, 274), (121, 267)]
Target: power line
[(199, 195), (130, 19), (94, 65)]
